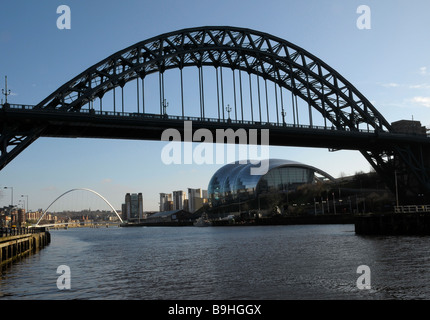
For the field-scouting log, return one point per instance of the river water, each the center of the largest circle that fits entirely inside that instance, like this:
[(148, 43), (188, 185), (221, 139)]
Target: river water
[(230, 263)]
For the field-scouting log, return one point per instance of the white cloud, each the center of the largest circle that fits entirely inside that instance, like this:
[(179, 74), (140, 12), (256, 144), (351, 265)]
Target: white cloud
[(391, 85), (423, 101), (420, 86), (423, 71)]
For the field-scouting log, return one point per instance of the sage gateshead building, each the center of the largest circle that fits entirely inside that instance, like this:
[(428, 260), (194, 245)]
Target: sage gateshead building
[(235, 181)]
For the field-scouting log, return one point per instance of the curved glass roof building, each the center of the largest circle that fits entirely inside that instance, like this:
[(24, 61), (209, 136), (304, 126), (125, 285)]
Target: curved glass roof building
[(235, 181)]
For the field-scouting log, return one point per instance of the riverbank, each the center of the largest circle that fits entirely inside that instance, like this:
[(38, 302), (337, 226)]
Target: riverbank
[(16, 243), (289, 220), (158, 224), (276, 220)]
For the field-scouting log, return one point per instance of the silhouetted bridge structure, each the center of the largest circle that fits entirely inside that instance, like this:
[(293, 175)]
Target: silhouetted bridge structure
[(220, 78)]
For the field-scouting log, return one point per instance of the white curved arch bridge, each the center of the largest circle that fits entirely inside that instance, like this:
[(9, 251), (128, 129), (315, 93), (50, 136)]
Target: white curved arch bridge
[(76, 189)]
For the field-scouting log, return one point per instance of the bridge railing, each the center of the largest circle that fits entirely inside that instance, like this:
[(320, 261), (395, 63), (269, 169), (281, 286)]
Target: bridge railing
[(27, 107), (412, 208), (183, 118), (18, 106)]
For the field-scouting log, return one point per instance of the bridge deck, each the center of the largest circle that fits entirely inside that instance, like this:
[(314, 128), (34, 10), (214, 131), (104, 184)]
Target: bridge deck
[(139, 126)]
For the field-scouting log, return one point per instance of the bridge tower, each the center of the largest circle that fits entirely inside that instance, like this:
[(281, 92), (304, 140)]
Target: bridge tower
[(411, 165)]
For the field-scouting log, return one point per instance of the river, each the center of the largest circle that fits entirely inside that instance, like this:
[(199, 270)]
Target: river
[(317, 262)]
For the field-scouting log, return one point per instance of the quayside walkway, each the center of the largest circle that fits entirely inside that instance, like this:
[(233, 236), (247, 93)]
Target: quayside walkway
[(17, 242)]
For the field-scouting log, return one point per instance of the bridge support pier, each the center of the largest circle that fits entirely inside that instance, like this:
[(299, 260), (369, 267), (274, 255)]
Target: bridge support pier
[(393, 224)]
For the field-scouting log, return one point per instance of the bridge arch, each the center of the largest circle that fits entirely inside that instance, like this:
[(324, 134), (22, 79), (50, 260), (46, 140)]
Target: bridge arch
[(84, 189), (264, 55), (356, 123)]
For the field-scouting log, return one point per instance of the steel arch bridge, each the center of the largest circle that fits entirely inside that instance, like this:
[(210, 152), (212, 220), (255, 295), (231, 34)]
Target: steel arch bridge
[(76, 189), (330, 112)]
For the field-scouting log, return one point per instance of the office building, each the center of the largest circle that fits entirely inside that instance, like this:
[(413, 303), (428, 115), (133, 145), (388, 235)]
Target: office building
[(196, 199), (133, 206), (165, 201), (179, 198)]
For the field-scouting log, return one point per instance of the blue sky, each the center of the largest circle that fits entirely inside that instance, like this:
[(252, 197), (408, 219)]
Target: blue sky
[(389, 64)]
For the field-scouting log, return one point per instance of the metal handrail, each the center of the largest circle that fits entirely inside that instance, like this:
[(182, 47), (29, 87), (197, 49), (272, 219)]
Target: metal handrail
[(10, 231), (175, 117), (412, 208)]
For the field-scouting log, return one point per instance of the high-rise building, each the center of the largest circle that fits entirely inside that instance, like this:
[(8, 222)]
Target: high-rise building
[(195, 199), (133, 206), (178, 199), (123, 212), (186, 206), (165, 199)]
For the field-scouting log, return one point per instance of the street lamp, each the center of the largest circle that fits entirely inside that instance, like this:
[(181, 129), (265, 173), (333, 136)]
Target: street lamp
[(397, 191), (5, 91), (165, 105), (334, 203), (228, 109), (24, 195)]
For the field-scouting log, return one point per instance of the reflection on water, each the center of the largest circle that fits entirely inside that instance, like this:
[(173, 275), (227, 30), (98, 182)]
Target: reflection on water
[(267, 262)]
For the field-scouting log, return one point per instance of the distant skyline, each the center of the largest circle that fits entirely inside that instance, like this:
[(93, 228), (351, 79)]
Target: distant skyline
[(389, 63)]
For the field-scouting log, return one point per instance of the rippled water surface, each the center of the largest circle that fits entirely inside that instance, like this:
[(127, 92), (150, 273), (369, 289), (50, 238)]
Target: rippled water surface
[(267, 262)]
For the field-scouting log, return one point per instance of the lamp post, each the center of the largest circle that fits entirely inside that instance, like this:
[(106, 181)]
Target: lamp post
[(24, 195), (350, 205), (322, 205), (328, 204), (5, 91), (283, 113), (334, 203), (165, 105), (397, 191), (228, 109)]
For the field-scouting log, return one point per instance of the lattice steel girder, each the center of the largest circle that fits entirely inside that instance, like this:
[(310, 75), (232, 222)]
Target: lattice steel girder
[(416, 162), (13, 142), (402, 164), (252, 51)]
